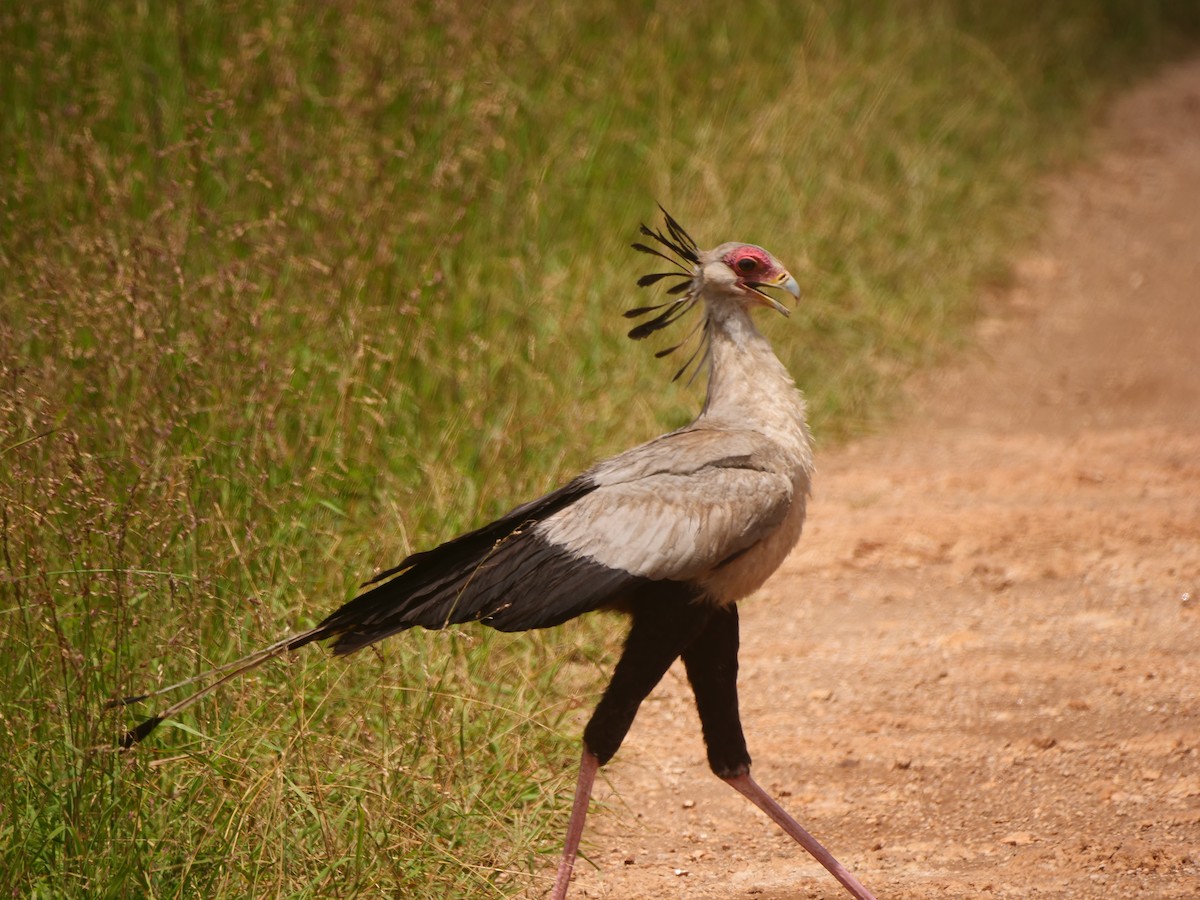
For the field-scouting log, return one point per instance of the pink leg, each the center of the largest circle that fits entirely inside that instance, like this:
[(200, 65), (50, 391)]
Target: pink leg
[(748, 787), (583, 793)]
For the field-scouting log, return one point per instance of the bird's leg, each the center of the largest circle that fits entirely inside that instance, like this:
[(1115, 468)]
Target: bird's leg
[(588, 767), (712, 666), (662, 627), (750, 789), (711, 661)]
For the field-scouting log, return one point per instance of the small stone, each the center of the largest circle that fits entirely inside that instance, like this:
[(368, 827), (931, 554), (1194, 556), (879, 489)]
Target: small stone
[(1018, 838)]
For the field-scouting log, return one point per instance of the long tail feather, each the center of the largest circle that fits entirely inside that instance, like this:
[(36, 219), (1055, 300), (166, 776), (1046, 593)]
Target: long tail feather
[(172, 688), (432, 589), (232, 670)]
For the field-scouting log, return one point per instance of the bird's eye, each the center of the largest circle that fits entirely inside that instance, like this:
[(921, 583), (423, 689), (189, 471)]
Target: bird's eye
[(747, 263)]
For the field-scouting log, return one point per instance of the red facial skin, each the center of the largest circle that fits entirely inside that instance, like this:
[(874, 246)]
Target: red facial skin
[(749, 261)]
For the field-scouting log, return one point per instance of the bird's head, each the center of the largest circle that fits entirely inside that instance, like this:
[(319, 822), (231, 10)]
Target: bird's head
[(741, 271), (729, 276)]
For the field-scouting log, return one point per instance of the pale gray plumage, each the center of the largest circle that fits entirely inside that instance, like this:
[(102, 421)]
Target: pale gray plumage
[(682, 505)]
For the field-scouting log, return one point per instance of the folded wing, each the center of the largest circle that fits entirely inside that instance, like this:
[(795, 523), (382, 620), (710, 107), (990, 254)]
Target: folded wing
[(669, 510)]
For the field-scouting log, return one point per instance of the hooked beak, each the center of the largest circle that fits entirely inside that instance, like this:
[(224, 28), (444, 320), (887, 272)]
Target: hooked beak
[(784, 281)]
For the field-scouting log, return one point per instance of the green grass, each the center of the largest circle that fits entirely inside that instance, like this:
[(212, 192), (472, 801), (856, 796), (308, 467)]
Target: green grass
[(290, 289)]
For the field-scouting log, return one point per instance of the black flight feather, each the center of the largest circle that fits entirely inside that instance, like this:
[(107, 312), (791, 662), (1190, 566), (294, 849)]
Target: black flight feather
[(415, 591)]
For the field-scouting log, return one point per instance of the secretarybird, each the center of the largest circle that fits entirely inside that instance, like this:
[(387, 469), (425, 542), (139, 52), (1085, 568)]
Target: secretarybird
[(674, 533)]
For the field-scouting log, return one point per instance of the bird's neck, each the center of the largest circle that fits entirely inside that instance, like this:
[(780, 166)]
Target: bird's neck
[(748, 387)]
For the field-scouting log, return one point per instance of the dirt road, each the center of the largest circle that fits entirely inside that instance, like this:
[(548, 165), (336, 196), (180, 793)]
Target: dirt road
[(980, 674)]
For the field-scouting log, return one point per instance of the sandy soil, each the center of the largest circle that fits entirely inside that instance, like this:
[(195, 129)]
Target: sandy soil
[(980, 673)]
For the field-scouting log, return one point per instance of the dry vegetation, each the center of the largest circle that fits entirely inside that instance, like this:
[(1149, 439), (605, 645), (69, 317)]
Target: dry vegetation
[(287, 289)]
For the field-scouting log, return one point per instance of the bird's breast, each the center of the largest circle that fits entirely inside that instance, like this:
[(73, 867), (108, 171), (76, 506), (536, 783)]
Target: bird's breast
[(748, 571)]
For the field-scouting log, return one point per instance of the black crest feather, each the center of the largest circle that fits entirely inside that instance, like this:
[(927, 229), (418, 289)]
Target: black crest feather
[(683, 252), (647, 280)]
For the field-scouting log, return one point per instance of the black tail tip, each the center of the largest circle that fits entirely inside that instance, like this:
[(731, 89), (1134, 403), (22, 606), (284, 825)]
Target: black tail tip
[(136, 735), (125, 701)]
